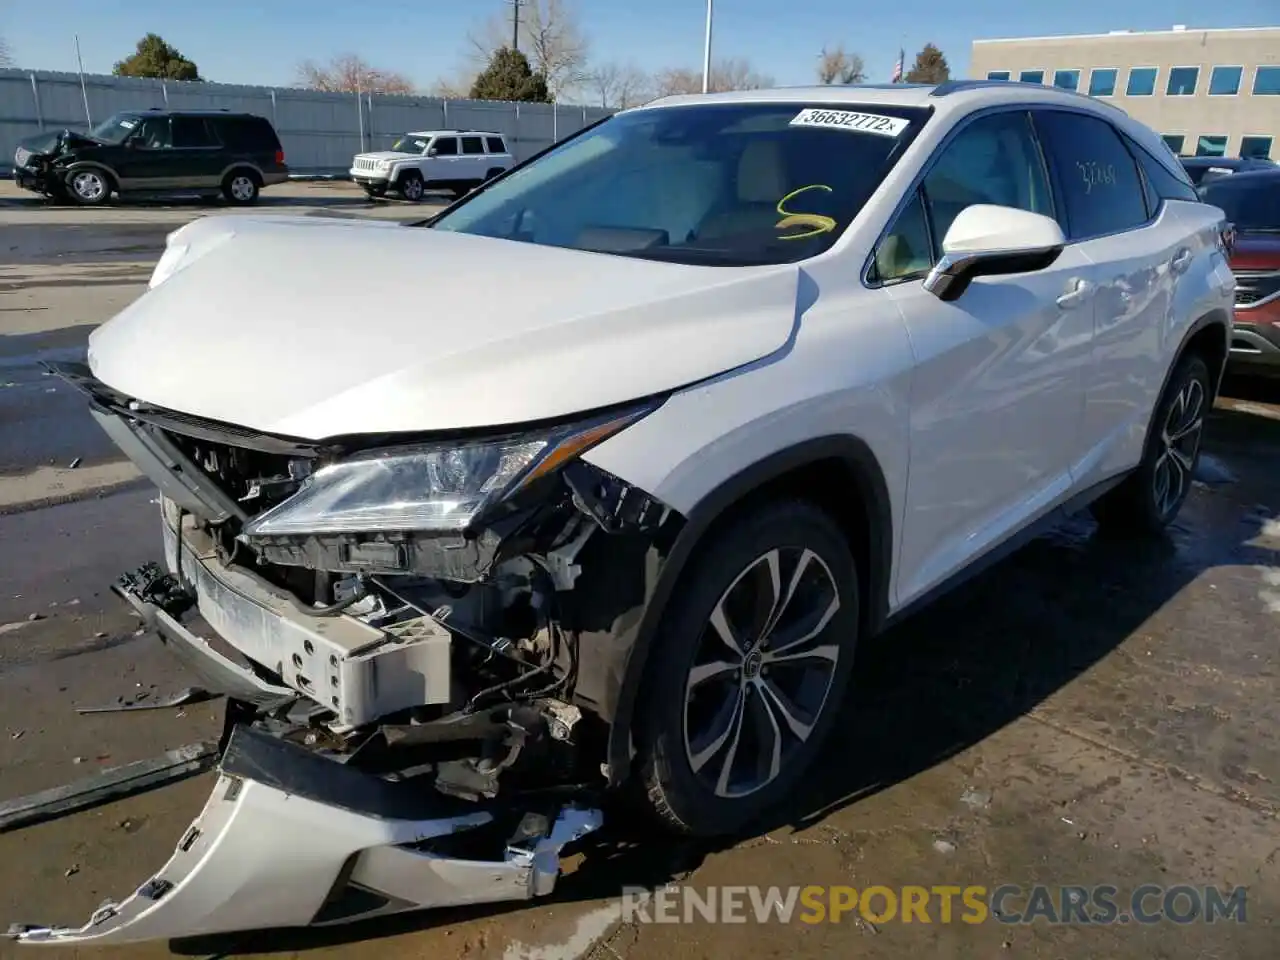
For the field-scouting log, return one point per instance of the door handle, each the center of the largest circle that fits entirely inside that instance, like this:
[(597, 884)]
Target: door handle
[(1181, 260), (1077, 292)]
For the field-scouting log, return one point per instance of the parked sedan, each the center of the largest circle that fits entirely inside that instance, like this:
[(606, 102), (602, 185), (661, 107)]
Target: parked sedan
[(1252, 202)]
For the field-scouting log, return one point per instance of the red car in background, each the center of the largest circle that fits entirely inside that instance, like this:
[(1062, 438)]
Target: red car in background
[(1251, 202)]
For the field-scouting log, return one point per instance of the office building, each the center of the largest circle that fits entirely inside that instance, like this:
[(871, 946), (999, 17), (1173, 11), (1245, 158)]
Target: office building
[(1207, 92)]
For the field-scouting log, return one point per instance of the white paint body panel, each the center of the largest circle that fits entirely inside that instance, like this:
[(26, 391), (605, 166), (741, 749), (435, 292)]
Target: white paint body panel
[(290, 339)]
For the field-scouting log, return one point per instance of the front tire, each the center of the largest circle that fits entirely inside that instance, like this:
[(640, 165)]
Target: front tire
[(241, 188), (412, 186), (1149, 499), (749, 669), (89, 188)]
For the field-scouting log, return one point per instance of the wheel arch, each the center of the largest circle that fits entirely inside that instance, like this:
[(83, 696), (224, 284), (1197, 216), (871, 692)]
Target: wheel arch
[(250, 168), (1209, 336), (113, 182), (840, 474)]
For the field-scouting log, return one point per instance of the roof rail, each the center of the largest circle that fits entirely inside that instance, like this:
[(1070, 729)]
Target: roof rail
[(956, 86)]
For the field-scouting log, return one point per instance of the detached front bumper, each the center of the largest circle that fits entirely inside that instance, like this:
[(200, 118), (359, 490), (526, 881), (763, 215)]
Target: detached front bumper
[(291, 839)]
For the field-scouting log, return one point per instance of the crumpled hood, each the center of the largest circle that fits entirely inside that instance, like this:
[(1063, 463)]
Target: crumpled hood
[(315, 328)]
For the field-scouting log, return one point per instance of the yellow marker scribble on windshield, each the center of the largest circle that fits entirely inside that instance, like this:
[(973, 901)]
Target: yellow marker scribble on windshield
[(816, 221)]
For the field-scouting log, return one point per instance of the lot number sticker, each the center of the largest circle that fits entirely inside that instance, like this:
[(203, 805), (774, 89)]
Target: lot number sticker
[(850, 120)]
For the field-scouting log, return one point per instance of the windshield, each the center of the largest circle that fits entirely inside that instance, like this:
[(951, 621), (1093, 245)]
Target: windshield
[(1251, 202), (718, 184), (115, 128), (410, 144)]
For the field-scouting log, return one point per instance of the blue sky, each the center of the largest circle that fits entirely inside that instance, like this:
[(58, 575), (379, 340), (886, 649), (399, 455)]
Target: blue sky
[(261, 41)]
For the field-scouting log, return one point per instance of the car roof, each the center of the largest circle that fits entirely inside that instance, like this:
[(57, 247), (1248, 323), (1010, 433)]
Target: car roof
[(949, 100), (452, 133)]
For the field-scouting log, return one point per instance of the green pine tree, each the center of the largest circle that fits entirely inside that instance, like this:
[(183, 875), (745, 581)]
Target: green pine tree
[(509, 77)]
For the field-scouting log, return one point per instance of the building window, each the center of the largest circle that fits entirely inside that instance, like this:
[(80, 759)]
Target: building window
[(998, 75), (1067, 79), (1031, 76), (1211, 145), (1174, 142), (1102, 82), (1225, 81), (1256, 147), (1182, 81), (1266, 82), (1142, 82)]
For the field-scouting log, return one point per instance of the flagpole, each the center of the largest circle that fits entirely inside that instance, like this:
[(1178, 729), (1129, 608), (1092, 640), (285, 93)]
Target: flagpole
[(706, 53)]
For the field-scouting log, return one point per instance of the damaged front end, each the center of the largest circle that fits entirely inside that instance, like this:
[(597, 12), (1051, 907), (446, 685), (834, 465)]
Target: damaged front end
[(399, 627)]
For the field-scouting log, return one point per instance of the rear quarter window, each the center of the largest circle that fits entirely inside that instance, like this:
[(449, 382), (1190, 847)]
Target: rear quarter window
[(495, 145), (251, 134)]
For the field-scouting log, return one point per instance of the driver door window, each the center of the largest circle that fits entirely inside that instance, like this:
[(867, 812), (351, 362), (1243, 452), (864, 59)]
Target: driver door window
[(154, 134), (995, 159)]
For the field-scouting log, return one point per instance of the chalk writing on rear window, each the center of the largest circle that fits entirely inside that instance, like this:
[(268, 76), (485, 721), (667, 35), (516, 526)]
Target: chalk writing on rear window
[(1096, 174)]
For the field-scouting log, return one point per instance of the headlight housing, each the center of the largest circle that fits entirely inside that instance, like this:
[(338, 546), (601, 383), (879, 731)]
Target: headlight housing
[(433, 489)]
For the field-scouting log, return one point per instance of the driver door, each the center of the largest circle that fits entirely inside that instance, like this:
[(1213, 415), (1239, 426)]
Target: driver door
[(997, 394), (148, 160)]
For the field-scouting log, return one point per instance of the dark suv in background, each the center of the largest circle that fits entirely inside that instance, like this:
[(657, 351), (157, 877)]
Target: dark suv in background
[(150, 152)]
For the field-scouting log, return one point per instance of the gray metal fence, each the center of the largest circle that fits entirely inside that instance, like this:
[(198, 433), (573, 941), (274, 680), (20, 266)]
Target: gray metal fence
[(320, 131)]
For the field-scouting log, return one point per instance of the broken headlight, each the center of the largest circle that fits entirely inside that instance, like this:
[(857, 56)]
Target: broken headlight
[(433, 488)]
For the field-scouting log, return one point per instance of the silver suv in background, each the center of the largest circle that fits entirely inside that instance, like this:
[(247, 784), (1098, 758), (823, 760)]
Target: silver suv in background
[(453, 160)]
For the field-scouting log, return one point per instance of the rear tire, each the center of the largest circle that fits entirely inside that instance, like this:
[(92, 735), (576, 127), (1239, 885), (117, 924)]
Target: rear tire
[(1149, 499), (241, 187), (749, 670), (493, 172)]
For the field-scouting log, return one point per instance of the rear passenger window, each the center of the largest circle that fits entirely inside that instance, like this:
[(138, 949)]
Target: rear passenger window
[(1101, 188), (472, 145), (191, 132), (446, 147), (495, 145), (995, 160)]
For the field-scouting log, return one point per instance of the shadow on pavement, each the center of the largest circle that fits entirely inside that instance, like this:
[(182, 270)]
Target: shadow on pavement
[(950, 676)]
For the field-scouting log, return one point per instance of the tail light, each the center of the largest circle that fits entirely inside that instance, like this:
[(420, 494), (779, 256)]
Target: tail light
[(280, 158)]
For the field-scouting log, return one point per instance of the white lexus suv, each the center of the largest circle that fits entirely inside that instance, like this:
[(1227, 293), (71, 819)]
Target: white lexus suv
[(453, 160), (667, 421)]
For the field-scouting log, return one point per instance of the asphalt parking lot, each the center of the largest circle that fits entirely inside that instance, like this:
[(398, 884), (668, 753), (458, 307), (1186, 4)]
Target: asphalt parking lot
[(1089, 712)]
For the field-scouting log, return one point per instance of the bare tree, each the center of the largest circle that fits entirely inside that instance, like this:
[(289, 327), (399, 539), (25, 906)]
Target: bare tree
[(620, 86), (550, 36), (730, 74), (837, 66), (6, 57), (349, 74)]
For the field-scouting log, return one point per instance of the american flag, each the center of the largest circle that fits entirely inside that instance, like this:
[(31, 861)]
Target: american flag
[(897, 68)]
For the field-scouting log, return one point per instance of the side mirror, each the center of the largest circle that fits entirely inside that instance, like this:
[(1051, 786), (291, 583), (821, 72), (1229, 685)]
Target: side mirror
[(131, 143), (987, 241), (432, 151)]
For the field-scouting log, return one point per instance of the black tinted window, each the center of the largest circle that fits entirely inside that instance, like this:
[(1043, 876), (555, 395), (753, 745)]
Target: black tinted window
[(191, 132), (496, 145), (1250, 201), (992, 160), (245, 133), (1163, 183), (472, 145), (446, 146), (1101, 187)]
